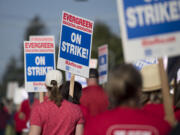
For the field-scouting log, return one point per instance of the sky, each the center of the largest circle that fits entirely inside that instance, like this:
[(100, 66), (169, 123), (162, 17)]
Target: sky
[(16, 14)]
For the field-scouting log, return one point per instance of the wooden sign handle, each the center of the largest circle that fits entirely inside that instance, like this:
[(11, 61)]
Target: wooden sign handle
[(41, 97), (167, 101), (71, 89)]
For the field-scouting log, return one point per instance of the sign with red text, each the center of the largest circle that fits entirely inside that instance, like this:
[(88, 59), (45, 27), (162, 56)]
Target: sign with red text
[(82, 80), (43, 38), (103, 64), (75, 44), (39, 58), (77, 78), (150, 28), (93, 63)]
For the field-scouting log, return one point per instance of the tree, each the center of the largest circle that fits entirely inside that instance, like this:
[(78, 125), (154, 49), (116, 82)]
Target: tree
[(102, 35), (36, 27), (13, 72)]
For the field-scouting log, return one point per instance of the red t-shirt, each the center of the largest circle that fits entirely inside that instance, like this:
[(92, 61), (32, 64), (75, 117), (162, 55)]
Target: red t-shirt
[(158, 109), (177, 114), (84, 111), (155, 109), (26, 108), (126, 121), (55, 120), (20, 124), (94, 99), (4, 117)]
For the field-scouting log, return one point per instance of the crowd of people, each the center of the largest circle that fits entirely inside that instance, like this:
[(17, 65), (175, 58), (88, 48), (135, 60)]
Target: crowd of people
[(131, 104)]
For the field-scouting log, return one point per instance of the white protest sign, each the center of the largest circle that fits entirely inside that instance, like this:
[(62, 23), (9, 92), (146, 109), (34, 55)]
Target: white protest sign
[(43, 38), (178, 75), (143, 62), (79, 79), (148, 61), (103, 64), (39, 59), (149, 28), (82, 80), (93, 63), (75, 44), (20, 95), (11, 86)]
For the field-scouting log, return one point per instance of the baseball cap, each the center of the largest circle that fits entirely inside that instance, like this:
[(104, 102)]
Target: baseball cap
[(93, 73), (54, 75)]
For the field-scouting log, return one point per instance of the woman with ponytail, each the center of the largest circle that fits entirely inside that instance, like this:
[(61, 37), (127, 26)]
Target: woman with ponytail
[(56, 116)]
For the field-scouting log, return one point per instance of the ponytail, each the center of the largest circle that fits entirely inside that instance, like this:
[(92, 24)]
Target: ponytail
[(55, 94)]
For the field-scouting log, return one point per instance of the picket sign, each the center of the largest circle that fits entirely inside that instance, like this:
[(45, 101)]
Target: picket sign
[(149, 33), (39, 54), (149, 28), (167, 101), (42, 38), (103, 64), (75, 46)]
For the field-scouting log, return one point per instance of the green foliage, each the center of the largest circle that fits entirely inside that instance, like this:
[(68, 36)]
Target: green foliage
[(36, 27), (102, 35)]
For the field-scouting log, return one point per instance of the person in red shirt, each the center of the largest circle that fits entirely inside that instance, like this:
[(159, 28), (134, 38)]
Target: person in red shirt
[(4, 117), (22, 116), (177, 100), (125, 118), (151, 96), (20, 121), (76, 97), (93, 97), (25, 111), (56, 116)]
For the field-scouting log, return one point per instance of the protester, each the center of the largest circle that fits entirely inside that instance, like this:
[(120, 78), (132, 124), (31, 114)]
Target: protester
[(126, 118), (20, 121), (4, 117), (151, 96), (9, 107), (76, 97), (77, 92), (22, 117), (176, 130), (56, 116), (93, 96), (24, 113), (177, 102), (151, 91)]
